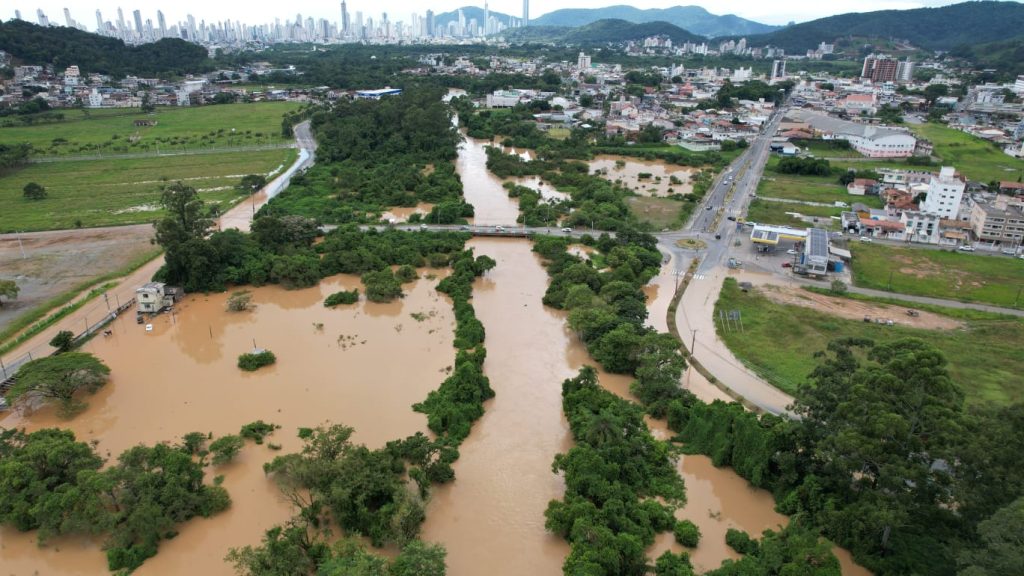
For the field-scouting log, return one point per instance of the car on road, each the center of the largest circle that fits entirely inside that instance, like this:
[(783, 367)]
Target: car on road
[(567, 230), (1009, 251), (499, 228), (709, 207), (966, 248), (463, 227), (730, 218), (865, 239), (787, 264), (423, 226), (792, 252)]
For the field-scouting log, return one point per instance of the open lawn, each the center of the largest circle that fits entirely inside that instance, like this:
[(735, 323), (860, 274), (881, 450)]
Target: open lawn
[(658, 212), (766, 212), (822, 150), (939, 274), (825, 189), (107, 192), (86, 132), (973, 157), (779, 341)]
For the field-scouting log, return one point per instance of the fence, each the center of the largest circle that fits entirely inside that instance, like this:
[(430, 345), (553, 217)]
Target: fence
[(83, 323)]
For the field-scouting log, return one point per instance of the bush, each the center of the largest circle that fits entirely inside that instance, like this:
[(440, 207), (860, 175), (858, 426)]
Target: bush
[(382, 286), (838, 287), (251, 362), (239, 301), (407, 273), (258, 430), (687, 533), (343, 297), (740, 541), (225, 448)]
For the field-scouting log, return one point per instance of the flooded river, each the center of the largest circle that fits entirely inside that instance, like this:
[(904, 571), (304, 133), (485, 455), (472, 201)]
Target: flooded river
[(481, 188)]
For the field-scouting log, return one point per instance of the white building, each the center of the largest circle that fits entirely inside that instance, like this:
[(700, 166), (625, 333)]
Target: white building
[(583, 62), (945, 192), (871, 141), (778, 71), (1018, 86), (920, 227), (72, 76), (503, 99), (95, 99)]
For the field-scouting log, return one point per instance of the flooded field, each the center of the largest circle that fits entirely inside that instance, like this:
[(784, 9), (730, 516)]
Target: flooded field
[(402, 213), (182, 377), (657, 175)]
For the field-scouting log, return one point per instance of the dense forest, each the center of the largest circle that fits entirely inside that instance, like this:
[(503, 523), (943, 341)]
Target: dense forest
[(63, 47), (940, 28), (397, 151), (1005, 56)]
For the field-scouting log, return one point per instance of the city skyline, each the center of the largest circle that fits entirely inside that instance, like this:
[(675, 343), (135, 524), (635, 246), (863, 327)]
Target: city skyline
[(777, 13)]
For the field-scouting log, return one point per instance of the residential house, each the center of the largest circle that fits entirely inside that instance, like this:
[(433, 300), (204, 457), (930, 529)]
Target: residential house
[(945, 192), (862, 187), (920, 227), (155, 297), (999, 222)]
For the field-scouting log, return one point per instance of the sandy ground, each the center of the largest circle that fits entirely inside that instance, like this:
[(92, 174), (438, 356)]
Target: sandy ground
[(857, 310), (58, 260)]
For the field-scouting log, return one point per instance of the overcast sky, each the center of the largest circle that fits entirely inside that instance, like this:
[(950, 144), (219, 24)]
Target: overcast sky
[(767, 11)]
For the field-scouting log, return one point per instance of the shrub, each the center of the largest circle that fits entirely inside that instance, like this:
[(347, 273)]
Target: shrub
[(740, 541), (225, 448), (63, 341), (343, 297), (239, 301), (252, 361), (258, 430), (687, 533)]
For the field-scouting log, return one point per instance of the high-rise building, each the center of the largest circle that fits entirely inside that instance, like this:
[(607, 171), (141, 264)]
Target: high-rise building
[(345, 24), (583, 62), (99, 22), (161, 23), (67, 19), (879, 68), (487, 18), (905, 71), (17, 14), (120, 21), (778, 71), (43, 20), (137, 16), (430, 23), (944, 194), (526, 12)]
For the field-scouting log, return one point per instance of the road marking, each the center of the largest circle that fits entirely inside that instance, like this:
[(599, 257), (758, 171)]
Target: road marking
[(699, 277)]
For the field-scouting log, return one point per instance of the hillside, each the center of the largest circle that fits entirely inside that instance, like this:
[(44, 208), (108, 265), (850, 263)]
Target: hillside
[(62, 47), (601, 32), (931, 28), (1006, 56), (692, 18)]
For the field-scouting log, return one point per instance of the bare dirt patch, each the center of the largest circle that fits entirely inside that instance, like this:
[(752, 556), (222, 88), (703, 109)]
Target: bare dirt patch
[(856, 309), (57, 261)]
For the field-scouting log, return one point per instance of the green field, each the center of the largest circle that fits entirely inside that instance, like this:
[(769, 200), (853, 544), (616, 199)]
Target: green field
[(660, 213), (824, 189), (940, 274), (765, 212), (108, 192), (779, 341), (113, 131), (820, 150), (973, 157)]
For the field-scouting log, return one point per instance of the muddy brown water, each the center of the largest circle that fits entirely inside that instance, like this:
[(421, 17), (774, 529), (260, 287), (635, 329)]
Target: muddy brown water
[(182, 377), (483, 189), (630, 172)]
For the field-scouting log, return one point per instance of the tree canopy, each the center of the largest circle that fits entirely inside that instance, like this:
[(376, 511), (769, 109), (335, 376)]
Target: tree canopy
[(61, 378)]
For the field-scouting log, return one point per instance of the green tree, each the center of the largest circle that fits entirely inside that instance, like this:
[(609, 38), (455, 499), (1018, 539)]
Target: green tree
[(382, 286), (418, 558), (8, 289), (252, 183), (34, 191), (59, 378), (1001, 552), (225, 448), (295, 549), (180, 233), (687, 533), (63, 341)]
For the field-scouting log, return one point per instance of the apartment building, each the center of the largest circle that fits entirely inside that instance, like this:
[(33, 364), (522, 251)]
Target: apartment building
[(1000, 221)]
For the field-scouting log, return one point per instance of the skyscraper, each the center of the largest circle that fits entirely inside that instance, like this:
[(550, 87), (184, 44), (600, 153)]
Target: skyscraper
[(99, 22), (43, 20), (120, 21), (430, 23), (67, 19), (344, 20), (487, 18), (138, 22), (526, 12), (162, 23)]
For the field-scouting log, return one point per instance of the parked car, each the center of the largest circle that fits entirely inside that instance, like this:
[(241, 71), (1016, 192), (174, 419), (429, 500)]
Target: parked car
[(730, 218), (499, 228), (464, 227), (966, 248), (1009, 251), (865, 239), (792, 252), (566, 229), (787, 264), (423, 226)]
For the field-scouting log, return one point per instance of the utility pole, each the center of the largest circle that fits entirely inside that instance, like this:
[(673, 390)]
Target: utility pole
[(690, 368)]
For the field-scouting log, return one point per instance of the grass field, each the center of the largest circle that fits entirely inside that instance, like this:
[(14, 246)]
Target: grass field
[(658, 212), (765, 212), (939, 274), (779, 342), (973, 157), (112, 131), (108, 192), (825, 189), (821, 150)]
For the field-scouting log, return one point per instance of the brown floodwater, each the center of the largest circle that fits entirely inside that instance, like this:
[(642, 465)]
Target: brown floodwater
[(547, 191), (182, 377), (402, 213), (630, 172), (481, 188)]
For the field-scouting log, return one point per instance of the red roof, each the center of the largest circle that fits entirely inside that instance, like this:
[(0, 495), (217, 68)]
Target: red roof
[(1007, 185)]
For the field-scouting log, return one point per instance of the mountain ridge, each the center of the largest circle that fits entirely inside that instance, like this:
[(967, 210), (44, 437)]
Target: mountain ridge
[(602, 32), (691, 18)]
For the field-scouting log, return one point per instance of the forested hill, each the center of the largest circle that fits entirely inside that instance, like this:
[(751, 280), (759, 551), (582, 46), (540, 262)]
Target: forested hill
[(692, 18), (1006, 56), (602, 32), (62, 47), (931, 28)]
